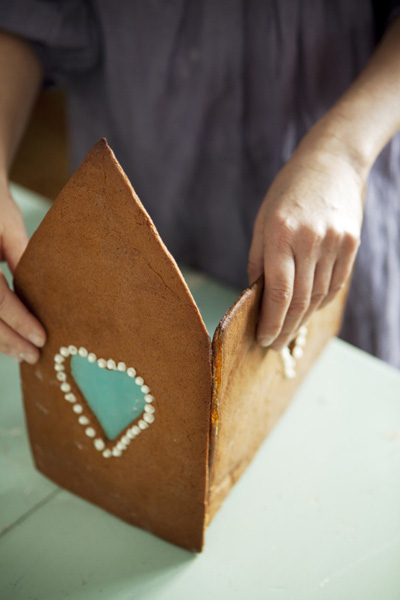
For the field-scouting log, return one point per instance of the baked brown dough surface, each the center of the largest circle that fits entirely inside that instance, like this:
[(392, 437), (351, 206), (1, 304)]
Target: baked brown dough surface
[(98, 276)]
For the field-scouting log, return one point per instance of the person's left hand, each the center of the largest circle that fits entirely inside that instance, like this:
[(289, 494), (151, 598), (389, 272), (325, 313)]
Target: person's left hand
[(305, 239)]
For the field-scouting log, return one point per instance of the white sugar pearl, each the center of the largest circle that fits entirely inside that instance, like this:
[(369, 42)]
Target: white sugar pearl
[(83, 352), (70, 397), (290, 373), (90, 432), (139, 380), (298, 352), (83, 420), (289, 361), (126, 440), (149, 408), (285, 352), (77, 408), (111, 364), (61, 376), (142, 424), (102, 363), (145, 389), (303, 330), (92, 357), (121, 366), (130, 434), (135, 430), (116, 452), (64, 351), (301, 340), (149, 398), (72, 350), (59, 367), (131, 372), (65, 387), (107, 453), (121, 446), (149, 418), (58, 359), (99, 444)]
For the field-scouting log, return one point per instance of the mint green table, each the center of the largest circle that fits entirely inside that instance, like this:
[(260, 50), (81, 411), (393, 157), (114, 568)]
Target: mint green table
[(316, 515)]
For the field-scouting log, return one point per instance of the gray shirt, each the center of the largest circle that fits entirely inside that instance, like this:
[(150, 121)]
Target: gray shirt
[(202, 102)]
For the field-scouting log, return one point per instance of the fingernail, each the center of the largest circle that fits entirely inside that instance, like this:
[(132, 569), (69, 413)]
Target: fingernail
[(28, 357), (37, 340), (265, 341)]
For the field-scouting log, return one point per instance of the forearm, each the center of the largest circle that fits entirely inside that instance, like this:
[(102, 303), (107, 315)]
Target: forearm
[(20, 79), (366, 117)]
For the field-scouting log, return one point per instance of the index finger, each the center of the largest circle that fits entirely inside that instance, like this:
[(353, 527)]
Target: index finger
[(15, 314), (278, 291)]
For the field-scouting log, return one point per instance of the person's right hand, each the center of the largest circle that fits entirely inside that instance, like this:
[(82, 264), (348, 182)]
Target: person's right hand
[(21, 334)]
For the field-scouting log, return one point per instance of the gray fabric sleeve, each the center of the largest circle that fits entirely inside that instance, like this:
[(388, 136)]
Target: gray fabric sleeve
[(384, 12), (63, 33)]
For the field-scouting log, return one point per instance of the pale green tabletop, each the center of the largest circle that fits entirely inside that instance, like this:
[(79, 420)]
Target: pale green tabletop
[(316, 515)]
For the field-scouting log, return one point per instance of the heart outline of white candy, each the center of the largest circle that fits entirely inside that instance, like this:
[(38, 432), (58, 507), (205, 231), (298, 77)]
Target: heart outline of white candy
[(101, 443)]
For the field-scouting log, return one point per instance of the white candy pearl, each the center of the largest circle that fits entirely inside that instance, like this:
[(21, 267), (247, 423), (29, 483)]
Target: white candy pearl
[(131, 372), (102, 363), (99, 444), (135, 430), (107, 453), (92, 357), (83, 420), (65, 387), (289, 361), (149, 408), (145, 389), (90, 432), (121, 366), (130, 434), (77, 408), (298, 352), (111, 364), (116, 452), (303, 330), (149, 418), (72, 350), (301, 340), (59, 367), (139, 381), (290, 373), (64, 351), (70, 397), (142, 424), (58, 359), (61, 376), (83, 352), (149, 398)]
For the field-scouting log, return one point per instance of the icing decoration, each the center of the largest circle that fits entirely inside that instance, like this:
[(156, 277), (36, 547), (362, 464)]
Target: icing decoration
[(114, 392), (290, 358)]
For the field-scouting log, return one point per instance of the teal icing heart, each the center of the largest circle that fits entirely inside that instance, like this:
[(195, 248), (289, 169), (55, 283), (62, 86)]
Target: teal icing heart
[(114, 397)]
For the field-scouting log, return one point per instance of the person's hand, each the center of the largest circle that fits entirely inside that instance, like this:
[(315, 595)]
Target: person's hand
[(305, 239), (21, 334)]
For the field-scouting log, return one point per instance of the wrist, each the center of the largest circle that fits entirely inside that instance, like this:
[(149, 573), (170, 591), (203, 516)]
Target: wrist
[(333, 139)]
